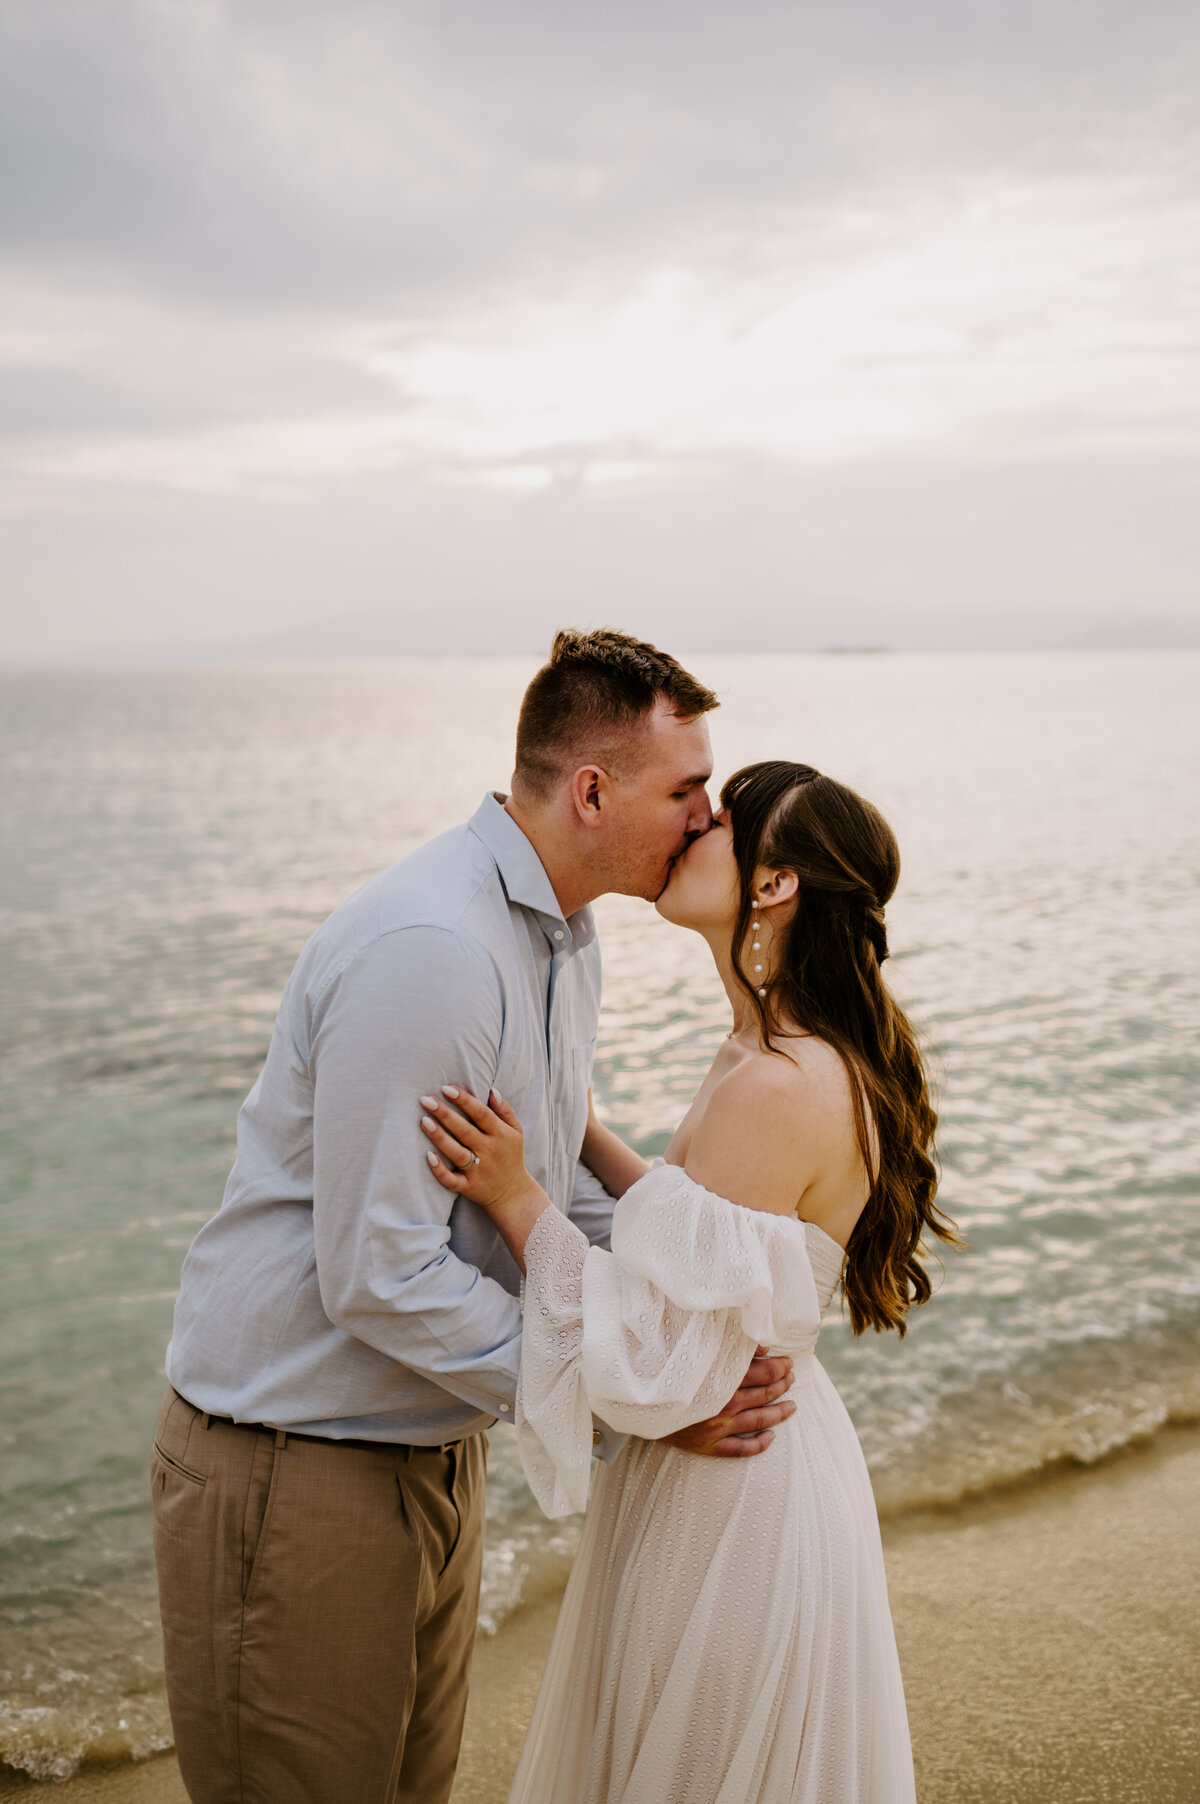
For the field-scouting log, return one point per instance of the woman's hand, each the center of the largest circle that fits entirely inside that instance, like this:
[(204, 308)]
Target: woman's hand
[(482, 1149)]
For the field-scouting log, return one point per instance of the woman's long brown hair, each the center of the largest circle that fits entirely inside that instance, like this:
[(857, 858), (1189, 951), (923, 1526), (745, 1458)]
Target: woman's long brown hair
[(828, 983)]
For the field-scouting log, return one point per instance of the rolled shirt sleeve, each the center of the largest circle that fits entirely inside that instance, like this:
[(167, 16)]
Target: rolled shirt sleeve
[(419, 1007)]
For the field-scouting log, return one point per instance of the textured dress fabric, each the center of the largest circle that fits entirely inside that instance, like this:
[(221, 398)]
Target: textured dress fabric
[(725, 1637)]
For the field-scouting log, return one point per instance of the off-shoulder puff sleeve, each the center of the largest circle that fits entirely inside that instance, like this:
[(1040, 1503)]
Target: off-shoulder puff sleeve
[(655, 1334)]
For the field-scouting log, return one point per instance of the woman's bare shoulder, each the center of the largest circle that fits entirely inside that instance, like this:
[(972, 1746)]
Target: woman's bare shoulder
[(817, 1062), (808, 1073), (768, 1128)]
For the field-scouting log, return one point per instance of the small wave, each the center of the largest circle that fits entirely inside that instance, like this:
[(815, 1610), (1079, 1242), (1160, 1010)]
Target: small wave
[(523, 1568), (53, 1740), (1023, 1464)]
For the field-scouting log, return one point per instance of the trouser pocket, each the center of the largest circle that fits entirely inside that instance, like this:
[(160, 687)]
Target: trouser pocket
[(262, 1491), (168, 1464)]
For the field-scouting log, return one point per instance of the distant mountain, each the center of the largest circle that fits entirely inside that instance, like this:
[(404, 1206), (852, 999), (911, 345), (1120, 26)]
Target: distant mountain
[(781, 624), (837, 627)]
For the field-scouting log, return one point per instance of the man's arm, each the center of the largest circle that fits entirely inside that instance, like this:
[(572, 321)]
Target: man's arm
[(747, 1423), (420, 1007)]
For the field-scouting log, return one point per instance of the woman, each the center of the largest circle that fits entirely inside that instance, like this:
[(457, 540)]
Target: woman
[(725, 1635)]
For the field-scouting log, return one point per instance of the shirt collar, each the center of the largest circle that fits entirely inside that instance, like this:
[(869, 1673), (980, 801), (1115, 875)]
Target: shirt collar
[(524, 876)]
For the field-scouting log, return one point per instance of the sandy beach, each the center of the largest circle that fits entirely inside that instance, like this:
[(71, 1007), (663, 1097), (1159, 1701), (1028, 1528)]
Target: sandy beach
[(1048, 1636)]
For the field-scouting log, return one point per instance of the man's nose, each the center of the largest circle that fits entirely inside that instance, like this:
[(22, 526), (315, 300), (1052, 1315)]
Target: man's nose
[(701, 817)]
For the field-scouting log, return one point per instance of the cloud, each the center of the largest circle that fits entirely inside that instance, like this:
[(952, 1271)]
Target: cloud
[(441, 296), (1031, 321), (331, 154)]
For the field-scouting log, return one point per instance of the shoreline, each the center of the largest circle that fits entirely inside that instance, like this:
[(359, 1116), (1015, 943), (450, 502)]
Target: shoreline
[(1049, 1646)]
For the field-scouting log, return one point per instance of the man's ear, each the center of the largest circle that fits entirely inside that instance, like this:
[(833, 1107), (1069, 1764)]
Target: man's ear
[(589, 788)]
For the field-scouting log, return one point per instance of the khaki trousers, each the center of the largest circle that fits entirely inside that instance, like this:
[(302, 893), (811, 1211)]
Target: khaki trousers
[(318, 1605)]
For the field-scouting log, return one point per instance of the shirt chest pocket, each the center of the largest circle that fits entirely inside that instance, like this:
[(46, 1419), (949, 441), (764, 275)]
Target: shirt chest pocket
[(579, 1076)]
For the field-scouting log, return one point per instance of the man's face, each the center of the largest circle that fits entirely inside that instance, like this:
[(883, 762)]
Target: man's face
[(661, 805)]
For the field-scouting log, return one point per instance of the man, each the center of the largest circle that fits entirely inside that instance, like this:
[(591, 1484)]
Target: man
[(344, 1336)]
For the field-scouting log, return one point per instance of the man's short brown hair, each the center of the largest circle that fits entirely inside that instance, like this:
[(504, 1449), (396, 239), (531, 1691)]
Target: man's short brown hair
[(595, 688)]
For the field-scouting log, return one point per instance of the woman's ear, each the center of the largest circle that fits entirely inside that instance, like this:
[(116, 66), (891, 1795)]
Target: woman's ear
[(773, 887)]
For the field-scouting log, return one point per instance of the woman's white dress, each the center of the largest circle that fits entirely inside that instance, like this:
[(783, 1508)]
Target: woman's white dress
[(725, 1636)]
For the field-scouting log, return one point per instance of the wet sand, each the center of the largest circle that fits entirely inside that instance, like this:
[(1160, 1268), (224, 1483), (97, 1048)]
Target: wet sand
[(1049, 1637)]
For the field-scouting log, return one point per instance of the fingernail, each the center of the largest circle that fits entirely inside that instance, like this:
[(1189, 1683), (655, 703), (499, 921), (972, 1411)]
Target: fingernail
[(449, 1090), (497, 1095), (429, 1102), (427, 1124), (432, 1157)]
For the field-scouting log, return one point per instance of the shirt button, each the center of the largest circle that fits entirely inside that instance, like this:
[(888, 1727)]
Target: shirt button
[(597, 1437), (504, 1409), (558, 933)]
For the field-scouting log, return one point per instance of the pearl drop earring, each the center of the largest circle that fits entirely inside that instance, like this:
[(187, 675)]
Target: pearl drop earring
[(756, 947)]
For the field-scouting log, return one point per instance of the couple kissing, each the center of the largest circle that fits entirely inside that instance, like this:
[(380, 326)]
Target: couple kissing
[(427, 1229)]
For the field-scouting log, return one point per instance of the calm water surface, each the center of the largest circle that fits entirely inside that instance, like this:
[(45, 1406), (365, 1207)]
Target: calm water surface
[(170, 840)]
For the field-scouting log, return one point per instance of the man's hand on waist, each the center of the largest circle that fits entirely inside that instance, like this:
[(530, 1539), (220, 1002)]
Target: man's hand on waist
[(747, 1423)]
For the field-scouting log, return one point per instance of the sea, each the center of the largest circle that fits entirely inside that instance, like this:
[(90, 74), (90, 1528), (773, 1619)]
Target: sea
[(170, 839)]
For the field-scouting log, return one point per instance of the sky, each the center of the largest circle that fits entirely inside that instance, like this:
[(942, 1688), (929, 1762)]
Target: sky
[(340, 326)]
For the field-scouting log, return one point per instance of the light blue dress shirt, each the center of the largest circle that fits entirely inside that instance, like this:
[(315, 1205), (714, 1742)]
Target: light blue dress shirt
[(340, 1290)]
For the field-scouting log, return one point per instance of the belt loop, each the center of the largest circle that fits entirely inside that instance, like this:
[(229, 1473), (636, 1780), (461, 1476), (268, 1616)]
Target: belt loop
[(280, 1439), (206, 1420)]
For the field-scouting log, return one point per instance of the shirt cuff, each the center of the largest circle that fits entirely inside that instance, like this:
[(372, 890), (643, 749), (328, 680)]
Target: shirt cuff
[(606, 1442)]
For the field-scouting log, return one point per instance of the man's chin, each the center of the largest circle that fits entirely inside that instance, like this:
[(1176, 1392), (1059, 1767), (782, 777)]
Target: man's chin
[(665, 884), (652, 888)]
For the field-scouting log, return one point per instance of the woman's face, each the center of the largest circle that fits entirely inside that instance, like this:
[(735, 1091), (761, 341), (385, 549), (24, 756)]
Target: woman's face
[(702, 891)]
